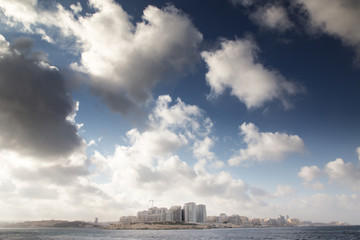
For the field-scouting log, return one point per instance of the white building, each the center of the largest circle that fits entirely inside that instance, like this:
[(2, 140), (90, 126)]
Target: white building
[(201, 213), (190, 212)]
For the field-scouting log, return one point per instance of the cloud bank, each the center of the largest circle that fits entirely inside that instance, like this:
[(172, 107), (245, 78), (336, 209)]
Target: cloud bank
[(149, 165)]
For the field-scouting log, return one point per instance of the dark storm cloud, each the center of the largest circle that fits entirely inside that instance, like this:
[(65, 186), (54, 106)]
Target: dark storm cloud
[(23, 45), (34, 104)]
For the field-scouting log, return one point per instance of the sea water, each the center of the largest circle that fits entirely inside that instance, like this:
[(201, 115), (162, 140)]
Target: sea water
[(293, 233)]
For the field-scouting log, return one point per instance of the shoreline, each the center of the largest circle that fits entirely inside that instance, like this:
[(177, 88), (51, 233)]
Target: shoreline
[(46, 224)]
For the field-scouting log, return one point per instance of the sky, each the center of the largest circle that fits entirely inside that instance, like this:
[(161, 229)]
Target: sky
[(248, 106)]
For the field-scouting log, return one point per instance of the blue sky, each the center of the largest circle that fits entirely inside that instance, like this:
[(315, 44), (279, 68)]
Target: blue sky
[(247, 106)]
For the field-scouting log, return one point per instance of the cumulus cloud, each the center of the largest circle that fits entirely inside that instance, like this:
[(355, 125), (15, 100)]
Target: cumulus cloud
[(272, 17), (269, 15), (179, 115), (202, 152), (265, 146), (235, 66), (358, 152), (154, 166), (141, 56), (124, 61), (309, 173), (339, 18), (338, 173), (34, 104), (345, 174)]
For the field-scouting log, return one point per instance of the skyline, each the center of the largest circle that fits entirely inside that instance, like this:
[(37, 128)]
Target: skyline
[(247, 106)]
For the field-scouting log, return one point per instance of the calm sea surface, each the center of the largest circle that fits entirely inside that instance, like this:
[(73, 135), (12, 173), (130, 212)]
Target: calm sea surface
[(351, 232)]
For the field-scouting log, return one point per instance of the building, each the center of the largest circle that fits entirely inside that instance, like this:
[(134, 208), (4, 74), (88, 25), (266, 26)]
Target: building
[(223, 218), (211, 219), (257, 221), (190, 212), (280, 220), (201, 213), (244, 220), (234, 219), (294, 222), (176, 213)]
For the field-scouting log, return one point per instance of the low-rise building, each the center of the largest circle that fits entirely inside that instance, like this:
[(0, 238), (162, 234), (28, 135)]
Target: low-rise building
[(234, 219), (128, 219)]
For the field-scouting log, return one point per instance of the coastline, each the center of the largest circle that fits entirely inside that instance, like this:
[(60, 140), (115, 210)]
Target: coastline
[(147, 225)]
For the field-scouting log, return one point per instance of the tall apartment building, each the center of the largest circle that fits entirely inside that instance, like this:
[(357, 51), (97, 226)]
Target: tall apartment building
[(200, 213), (190, 212), (176, 213)]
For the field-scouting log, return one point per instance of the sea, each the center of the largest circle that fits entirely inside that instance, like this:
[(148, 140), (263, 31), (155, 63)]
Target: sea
[(293, 233)]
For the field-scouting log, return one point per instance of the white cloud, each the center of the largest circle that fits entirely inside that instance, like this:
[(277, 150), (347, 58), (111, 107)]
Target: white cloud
[(235, 66), (266, 146), (44, 36), (163, 44), (324, 208), (284, 190), (29, 189), (179, 115), (272, 17), (76, 8), (338, 172), (124, 61), (309, 173), (21, 11), (358, 152), (345, 174), (310, 176), (202, 149), (155, 170), (340, 18), (202, 152)]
